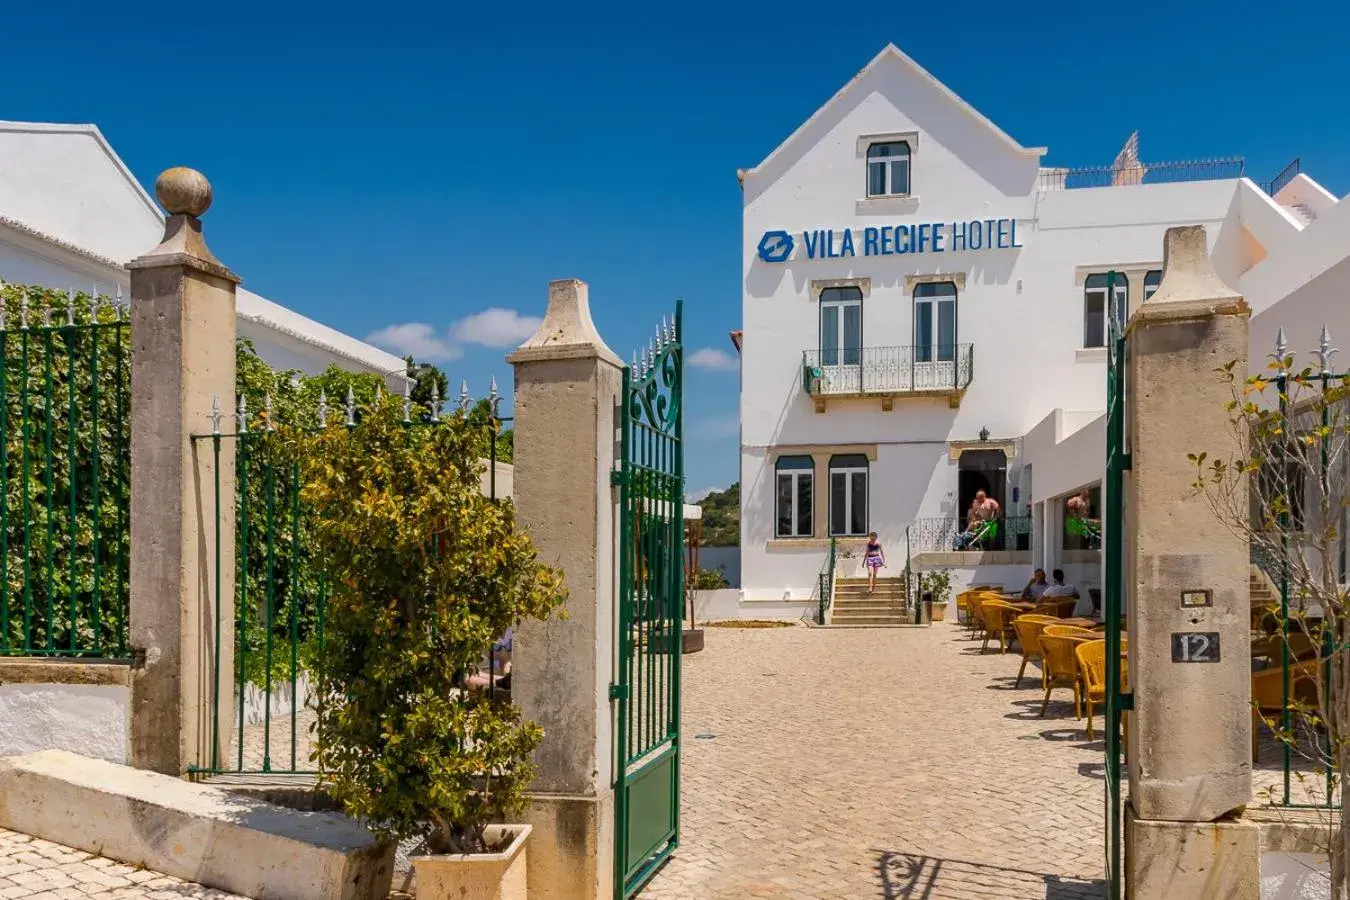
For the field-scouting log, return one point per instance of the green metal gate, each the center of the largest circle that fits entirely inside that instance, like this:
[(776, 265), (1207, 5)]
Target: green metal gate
[(1118, 698), (651, 593)]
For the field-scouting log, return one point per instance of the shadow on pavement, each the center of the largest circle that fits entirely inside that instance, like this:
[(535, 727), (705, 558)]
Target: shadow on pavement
[(913, 876)]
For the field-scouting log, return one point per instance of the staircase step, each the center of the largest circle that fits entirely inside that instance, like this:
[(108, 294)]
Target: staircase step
[(869, 620)]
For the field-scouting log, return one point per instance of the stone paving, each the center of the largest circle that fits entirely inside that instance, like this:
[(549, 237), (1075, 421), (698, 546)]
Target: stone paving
[(40, 870), (891, 763)]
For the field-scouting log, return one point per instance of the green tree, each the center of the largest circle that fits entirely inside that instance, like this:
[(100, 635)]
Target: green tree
[(1281, 483), (428, 382), (722, 517), (426, 575)]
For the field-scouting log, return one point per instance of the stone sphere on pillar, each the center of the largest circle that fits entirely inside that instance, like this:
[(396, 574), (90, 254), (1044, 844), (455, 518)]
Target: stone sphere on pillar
[(183, 191)]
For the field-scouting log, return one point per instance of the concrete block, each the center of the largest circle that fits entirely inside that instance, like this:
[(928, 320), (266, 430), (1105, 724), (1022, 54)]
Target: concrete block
[(571, 847), (1201, 860), (192, 831)]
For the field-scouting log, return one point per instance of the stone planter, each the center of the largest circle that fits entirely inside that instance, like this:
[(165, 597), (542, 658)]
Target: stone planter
[(938, 612), (476, 876)]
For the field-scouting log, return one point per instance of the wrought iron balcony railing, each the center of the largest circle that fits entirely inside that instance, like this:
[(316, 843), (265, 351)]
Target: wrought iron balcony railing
[(932, 369), (949, 533), (1059, 179)]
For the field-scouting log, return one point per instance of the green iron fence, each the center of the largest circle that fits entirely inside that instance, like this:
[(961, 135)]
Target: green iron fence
[(65, 456), (646, 685), (1299, 478), (1118, 697), (825, 583), (281, 590)]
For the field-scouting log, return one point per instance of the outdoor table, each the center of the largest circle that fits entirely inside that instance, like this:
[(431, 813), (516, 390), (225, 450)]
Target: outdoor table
[(1079, 622)]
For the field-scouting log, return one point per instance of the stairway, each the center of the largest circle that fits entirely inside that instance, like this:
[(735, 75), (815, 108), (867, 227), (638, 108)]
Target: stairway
[(854, 606), (1264, 594)]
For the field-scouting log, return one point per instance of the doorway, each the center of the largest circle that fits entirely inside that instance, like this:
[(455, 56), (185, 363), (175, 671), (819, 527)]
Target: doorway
[(983, 470)]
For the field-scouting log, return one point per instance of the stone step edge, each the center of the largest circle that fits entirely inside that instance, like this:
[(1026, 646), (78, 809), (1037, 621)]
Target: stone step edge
[(192, 831)]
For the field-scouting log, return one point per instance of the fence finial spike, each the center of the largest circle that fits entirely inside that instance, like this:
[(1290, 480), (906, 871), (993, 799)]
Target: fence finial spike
[(23, 307), (465, 401), (46, 314), (407, 401), (494, 399), (93, 305), (379, 393), (70, 306), (242, 415), (267, 411), (117, 302), (1325, 351), (1281, 348), (215, 414), (351, 407), (323, 408)]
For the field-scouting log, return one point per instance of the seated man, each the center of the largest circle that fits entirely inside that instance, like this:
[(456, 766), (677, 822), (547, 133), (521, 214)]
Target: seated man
[(1058, 589), (1036, 587), (496, 668)]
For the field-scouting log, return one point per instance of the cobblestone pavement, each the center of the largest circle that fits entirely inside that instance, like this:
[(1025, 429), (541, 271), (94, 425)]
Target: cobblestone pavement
[(890, 763), (40, 870)]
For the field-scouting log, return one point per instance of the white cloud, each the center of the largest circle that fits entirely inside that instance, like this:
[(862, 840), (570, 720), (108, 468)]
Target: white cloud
[(496, 327), (712, 358), (718, 427), (417, 339)]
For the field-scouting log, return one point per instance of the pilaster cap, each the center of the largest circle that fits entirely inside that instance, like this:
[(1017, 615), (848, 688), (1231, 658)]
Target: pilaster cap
[(567, 332), (185, 195), (1190, 285)]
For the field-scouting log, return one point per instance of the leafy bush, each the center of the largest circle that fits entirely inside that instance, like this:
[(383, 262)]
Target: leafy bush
[(938, 582), (426, 574), (709, 580)]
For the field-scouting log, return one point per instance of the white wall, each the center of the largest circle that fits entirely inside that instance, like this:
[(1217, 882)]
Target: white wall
[(67, 182), (92, 720), (1021, 308)]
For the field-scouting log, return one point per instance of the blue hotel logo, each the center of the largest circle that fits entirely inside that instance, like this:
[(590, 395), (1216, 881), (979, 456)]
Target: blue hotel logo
[(890, 240), (775, 246)]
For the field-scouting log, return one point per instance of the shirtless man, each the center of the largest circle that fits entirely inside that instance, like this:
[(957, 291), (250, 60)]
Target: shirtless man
[(1078, 506), (982, 509)]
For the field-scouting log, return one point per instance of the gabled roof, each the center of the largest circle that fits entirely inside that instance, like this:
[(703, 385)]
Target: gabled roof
[(894, 56), (93, 132)]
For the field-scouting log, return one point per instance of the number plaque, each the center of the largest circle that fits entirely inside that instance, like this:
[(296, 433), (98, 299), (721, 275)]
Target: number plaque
[(1195, 646)]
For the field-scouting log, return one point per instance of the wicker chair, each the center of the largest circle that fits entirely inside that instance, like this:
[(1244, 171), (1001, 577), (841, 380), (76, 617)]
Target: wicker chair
[(1268, 693), (1092, 667), (1073, 631), (1061, 669), (998, 616), (1029, 628), (974, 618)]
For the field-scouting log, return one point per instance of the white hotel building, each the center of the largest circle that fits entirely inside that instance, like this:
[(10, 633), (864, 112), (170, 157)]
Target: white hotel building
[(925, 313)]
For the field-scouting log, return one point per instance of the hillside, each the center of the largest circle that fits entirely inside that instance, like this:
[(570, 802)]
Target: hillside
[(722, 517)]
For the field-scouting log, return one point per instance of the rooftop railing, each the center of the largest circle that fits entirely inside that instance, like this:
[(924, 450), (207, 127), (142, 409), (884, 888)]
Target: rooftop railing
[(931, 369), (1059, 179), (1287, 174)]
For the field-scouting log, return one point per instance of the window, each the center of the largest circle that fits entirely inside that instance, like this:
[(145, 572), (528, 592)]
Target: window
[(1095, 307), (935, 322), (841, 326), (795, 476), (848, 494), (1151, 282), (888, 169)]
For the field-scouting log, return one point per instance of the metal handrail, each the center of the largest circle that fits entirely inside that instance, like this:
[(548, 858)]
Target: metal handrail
[(825, 586), (888, 370), (1059, 179)]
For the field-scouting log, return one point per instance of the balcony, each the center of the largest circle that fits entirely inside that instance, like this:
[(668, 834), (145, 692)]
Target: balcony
[(885, 373)]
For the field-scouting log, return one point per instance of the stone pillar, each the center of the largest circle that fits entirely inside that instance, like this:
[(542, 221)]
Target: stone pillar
[(182, 369), (568, 385), (1186, 596)]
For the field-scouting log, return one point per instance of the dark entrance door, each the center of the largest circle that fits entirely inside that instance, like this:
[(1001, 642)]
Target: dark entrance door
[(982, 470)]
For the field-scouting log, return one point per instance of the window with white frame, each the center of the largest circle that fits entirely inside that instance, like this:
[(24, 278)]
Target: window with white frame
[(841, 326), (795, 476), (888, 169), (1152, 279), (1095, 307), (848, 494), (935, 322)]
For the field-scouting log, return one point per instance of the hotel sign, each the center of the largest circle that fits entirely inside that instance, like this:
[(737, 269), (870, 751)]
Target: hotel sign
[(890, 240)]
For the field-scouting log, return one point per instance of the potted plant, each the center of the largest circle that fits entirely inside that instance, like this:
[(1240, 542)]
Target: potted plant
[(938, 583), (425, 574)]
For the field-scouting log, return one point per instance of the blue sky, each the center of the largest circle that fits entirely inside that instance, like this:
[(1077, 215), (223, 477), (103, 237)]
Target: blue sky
[(419, 165)]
